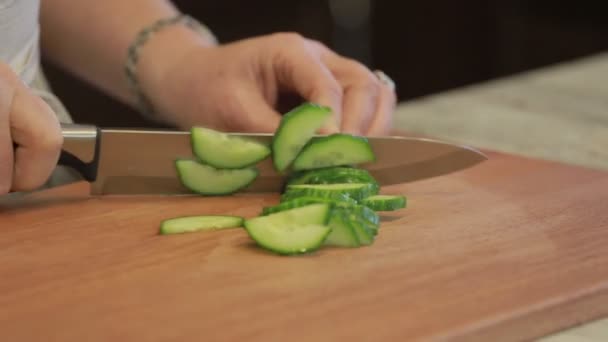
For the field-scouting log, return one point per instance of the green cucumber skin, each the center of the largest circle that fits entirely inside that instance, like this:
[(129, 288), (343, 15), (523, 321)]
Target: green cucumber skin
[(328, 151), (184, 182), (319, 217), (385, 203), (334, 196), (166, 226), (302, 201), (218, 163), (317, 190), (331, 175), (278, 139)]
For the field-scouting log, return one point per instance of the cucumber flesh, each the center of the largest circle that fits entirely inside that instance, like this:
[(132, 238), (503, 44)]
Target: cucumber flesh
[(385, 202), (297, 127), (207, 180), (342, 233), (357, 191), (334, 150), (368, 216), (365, 234), (293, 231), (189, 224), (225, 151)]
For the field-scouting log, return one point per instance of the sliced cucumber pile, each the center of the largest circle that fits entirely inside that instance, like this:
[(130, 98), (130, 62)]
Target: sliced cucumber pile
[(327, 200), (189, 224)]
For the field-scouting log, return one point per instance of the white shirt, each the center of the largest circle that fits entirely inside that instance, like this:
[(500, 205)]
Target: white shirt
[(19, 37)]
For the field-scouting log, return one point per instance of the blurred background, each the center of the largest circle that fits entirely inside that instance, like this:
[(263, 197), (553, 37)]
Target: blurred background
[(426, 46)]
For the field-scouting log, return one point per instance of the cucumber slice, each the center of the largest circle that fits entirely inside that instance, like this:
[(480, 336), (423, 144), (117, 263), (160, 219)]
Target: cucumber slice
[(333, 196), (356, 191), (365, 231), (206, 180), (303, 201), (293, 231), (225, 151), (331, 175), (294, 132), (342, 233), (367, 215), (385, 202), (189, 224), (334, 150)]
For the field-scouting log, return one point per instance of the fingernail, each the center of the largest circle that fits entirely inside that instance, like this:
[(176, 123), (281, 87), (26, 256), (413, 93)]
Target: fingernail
[(330, 128), (352, 131)]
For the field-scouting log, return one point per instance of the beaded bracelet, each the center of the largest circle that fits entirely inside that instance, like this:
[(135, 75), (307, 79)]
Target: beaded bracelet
[(142, 37)]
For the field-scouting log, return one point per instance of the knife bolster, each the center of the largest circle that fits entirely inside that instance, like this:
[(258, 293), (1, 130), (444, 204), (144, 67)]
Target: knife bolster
[(80, 149)]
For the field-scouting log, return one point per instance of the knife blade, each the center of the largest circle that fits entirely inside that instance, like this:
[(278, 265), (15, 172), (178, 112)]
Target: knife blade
[(129, 161)]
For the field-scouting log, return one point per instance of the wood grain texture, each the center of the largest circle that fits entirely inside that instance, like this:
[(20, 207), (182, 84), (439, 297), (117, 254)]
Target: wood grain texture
[(511, 249)]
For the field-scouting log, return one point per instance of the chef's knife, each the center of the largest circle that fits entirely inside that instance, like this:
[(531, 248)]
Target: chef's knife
[(119, 161)]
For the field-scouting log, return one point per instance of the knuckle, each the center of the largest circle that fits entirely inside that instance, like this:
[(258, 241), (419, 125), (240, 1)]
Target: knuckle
[(289, 38), (365, 79), (357, 67), (333, 89), (318, 45), (49, 137), (370, 85), (51, 141), (6, 73)]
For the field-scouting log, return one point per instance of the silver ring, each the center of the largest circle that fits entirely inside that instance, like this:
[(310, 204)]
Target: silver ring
[(385, 79)]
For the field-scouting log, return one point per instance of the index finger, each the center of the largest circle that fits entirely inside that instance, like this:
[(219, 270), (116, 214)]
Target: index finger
[(299, 67), (35, 128)]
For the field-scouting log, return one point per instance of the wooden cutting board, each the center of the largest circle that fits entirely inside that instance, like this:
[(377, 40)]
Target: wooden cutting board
[(511, 249)]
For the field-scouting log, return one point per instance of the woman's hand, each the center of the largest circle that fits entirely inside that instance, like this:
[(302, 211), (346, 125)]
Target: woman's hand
[(237, 87), (26, 120)]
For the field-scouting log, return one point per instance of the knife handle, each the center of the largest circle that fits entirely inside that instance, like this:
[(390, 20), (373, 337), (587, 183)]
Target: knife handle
[(80, 149)]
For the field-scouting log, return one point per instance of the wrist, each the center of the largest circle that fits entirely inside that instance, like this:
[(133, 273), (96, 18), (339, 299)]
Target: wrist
[(159, 52)]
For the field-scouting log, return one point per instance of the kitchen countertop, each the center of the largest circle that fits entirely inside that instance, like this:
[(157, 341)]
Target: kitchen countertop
[(558, 113)]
